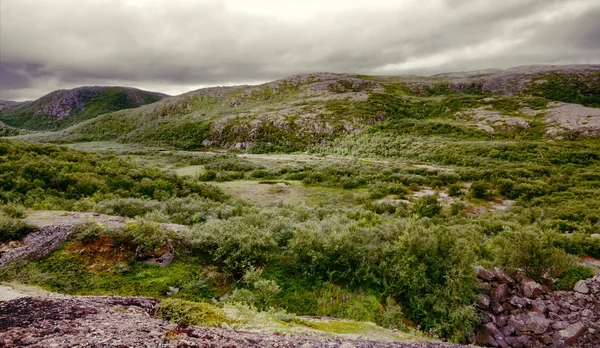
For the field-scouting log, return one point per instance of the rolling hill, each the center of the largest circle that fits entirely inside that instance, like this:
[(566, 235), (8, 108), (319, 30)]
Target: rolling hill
[(64, 108), (530, 102)]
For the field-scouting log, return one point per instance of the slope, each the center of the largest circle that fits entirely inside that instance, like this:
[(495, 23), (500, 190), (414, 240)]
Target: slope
[(64, 108), (302, 111)]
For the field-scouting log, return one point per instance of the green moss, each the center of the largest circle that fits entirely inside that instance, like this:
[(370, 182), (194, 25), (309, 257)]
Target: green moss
[(192, 313)]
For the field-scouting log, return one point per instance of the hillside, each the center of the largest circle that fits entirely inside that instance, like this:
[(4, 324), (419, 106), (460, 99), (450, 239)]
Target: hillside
[(532, 102), (63, 108)]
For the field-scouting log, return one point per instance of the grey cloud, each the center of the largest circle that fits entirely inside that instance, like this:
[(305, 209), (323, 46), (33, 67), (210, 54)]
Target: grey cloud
[(157, 43)]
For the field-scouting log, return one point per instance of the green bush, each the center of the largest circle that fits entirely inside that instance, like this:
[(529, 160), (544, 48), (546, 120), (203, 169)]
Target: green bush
[(428, 206), (88, 232), (532, 250), (480, 190), (567, 279), (13, 210), (13, 229)]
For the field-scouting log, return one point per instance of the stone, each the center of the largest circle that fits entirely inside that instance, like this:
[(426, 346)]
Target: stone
[(512, 341), (497, 308), (586, 313), (484, 274), (572, 332), (486, 334), (508, 331), (500, 294), (538, 306), (483, 301), (165, 259), (532, 289), (501, 321), (524, 340), (502, 277), (518, 301), (507, 307), (501, 342), (552, 308), (581, 287), (533, 322), (559, 325)]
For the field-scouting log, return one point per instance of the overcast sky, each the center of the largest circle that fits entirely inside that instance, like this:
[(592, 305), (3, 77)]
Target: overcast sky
[(174, 46)]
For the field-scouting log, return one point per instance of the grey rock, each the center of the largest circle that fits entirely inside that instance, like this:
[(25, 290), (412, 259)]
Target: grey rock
[(581, 287), (38, 245)]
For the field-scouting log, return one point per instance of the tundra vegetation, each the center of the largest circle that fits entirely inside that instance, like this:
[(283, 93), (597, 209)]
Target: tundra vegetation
[(385, 224)]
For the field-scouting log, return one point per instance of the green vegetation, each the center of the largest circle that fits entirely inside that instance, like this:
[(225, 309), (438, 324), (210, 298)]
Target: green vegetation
[(85, 103), (397, 195)]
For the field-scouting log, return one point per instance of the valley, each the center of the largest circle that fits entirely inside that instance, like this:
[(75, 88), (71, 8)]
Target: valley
[(369, 199)]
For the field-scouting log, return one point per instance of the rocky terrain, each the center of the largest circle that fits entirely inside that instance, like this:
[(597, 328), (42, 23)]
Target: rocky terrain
[(131, 322), (523, 313), (55, 228)]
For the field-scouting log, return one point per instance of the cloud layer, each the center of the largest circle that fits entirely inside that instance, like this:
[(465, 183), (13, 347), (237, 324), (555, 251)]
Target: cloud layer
[(177, 45)]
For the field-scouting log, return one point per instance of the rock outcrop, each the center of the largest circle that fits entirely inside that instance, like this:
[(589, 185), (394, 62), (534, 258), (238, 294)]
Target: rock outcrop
[(524, 313), (130, 322)]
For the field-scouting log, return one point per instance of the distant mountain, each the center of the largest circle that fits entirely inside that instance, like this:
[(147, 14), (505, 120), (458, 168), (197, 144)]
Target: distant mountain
[(64, 108), (301, 111), (4, 104)]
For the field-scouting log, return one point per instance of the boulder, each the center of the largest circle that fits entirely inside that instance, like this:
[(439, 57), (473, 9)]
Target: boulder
[(532, 289), (531, 322)]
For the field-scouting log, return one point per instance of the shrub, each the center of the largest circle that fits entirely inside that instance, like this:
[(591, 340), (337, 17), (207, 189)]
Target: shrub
[(567, 280), (427, 206), (480, 190), (13, 210), (532, 250), (454, 190), (13, 229), (208, 175), (88, 232)]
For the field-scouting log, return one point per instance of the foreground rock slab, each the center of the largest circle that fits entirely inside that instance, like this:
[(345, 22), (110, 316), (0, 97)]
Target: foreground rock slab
[(94, 321)]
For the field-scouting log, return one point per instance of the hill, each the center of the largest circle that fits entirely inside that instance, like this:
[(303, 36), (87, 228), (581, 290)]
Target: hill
[(291, 114), (64, 108)]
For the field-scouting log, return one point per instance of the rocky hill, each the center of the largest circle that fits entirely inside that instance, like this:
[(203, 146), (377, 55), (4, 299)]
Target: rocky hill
[(63, 108), (313, 109)]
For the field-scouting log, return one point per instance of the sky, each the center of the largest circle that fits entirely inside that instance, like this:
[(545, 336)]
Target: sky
[(174, 46)]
